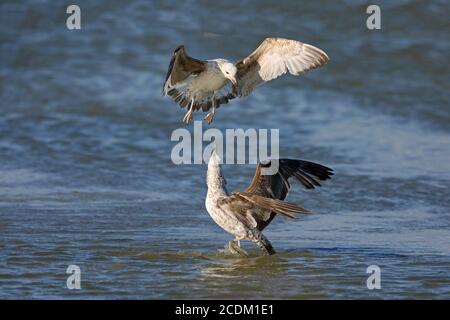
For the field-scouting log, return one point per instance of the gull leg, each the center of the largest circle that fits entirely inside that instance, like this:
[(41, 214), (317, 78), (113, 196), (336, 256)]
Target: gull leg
[(261, 241), (210, 115), (188, 115), (234, 246)]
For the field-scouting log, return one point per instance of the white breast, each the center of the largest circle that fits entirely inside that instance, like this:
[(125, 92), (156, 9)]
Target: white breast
[(209, 81)]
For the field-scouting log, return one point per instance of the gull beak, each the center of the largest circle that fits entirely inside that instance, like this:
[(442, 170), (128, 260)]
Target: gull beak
[(234, 82)]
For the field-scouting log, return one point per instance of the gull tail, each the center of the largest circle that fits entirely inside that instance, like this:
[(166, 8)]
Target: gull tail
[(261, 241)]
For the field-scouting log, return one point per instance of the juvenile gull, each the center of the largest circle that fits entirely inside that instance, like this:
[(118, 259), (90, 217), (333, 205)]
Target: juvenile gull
[(203, 83), (246, 214)]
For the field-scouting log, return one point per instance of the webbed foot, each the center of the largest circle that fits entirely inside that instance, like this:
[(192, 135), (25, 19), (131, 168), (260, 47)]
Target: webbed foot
[(209, 117), (187, 117)]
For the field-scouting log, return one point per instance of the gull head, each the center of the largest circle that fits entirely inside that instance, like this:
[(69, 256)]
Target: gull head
[(229, 71), (214, 177), (214, 160)]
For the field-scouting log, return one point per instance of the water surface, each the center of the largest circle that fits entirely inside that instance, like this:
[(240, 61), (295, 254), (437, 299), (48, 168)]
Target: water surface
[(86, 176)]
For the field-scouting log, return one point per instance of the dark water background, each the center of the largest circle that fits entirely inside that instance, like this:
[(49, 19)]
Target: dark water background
[(86, 176)]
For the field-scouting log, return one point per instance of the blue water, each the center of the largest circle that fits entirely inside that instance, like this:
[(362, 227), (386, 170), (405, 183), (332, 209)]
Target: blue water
[(86, 176)]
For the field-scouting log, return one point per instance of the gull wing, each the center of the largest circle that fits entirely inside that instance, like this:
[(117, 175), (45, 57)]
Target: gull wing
[(181, 67), (285, 208), (273, 58), (242, 209), (277, 186), (254, 211)]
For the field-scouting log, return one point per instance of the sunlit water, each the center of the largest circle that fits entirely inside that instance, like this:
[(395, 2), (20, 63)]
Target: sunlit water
[(86, 176)]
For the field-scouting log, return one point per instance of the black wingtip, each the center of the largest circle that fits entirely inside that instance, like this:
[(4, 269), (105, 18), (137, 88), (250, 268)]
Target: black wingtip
[(320, 171), (308, 173)]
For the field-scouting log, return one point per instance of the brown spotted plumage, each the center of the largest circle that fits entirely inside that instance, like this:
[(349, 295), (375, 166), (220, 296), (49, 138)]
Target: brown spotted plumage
[(246, 214)]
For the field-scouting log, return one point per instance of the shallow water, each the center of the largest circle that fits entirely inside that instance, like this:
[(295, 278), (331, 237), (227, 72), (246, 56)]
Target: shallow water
[(86, 176)]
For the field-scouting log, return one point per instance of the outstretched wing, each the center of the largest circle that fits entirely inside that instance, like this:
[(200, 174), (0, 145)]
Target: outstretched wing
[(277, 186), (273, 58), (182, 67)]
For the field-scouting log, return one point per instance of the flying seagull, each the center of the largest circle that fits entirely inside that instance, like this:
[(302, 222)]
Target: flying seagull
[(203, 83), (246, 214)]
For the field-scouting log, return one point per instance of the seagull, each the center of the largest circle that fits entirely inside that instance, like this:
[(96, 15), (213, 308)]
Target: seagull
[(246, 214), (205, 83)]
